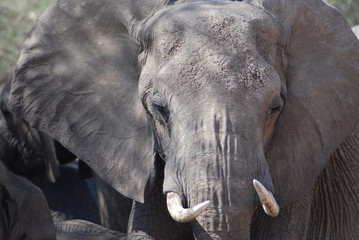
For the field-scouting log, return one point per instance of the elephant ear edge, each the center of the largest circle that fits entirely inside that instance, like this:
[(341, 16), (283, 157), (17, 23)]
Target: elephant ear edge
[(76, 80), (322, 105)]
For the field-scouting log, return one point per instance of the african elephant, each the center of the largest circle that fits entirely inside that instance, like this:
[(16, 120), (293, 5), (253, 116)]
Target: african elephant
[(201, 100)]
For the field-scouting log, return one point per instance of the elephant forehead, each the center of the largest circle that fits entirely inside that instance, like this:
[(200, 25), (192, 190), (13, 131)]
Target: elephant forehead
[(217, 25), (242, 71), (226, 43)]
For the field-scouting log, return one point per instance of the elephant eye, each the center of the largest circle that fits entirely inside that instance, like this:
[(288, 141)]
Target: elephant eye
[(277, 105), (163, 111), (160, 108), (275, 109)]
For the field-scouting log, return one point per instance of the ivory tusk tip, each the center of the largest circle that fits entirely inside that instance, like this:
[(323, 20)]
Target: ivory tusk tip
[(180, 214), (202, 206), (257, 184)]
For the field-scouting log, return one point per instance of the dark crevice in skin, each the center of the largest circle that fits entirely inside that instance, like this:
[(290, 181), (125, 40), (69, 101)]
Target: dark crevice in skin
[(328, 211)]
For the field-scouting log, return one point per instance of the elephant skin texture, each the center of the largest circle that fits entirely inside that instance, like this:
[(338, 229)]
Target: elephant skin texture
[(23, 151), (197, 99)]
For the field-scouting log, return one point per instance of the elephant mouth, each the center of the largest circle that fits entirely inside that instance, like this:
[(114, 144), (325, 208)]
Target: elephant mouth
[(181, 214)]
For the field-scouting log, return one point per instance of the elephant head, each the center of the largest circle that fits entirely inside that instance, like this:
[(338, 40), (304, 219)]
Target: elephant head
[(223, 92)]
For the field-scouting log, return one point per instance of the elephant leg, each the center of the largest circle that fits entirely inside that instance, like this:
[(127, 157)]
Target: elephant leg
[(151, 220)]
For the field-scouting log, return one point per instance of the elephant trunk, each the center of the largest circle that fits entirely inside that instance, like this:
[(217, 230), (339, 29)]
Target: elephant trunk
[(226, 180), (229, 213), (74, 229)]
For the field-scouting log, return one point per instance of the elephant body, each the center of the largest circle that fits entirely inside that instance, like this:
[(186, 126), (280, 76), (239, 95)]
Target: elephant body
[(201, 111)]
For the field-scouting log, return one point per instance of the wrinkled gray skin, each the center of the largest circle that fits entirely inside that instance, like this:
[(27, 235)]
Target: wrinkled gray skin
[(26, 153), (30, 154), (200, 98), (24, 211), (24, 149)]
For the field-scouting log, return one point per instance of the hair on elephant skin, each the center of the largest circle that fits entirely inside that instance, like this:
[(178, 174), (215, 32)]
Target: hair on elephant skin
[(222, 106)]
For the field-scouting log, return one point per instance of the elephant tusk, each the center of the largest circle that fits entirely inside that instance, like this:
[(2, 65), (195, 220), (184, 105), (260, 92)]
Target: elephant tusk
[(269, 204), (180, 214)]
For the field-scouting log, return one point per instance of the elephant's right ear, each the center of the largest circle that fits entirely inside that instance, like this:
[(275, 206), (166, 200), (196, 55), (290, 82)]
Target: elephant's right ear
[(77, 81)]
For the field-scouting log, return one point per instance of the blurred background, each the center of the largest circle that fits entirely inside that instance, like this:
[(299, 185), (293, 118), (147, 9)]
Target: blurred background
[(16, 19), (18, 16)]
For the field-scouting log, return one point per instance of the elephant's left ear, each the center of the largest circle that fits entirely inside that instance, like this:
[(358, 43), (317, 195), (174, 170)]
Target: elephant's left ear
[(322, 79), (77, 81)]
